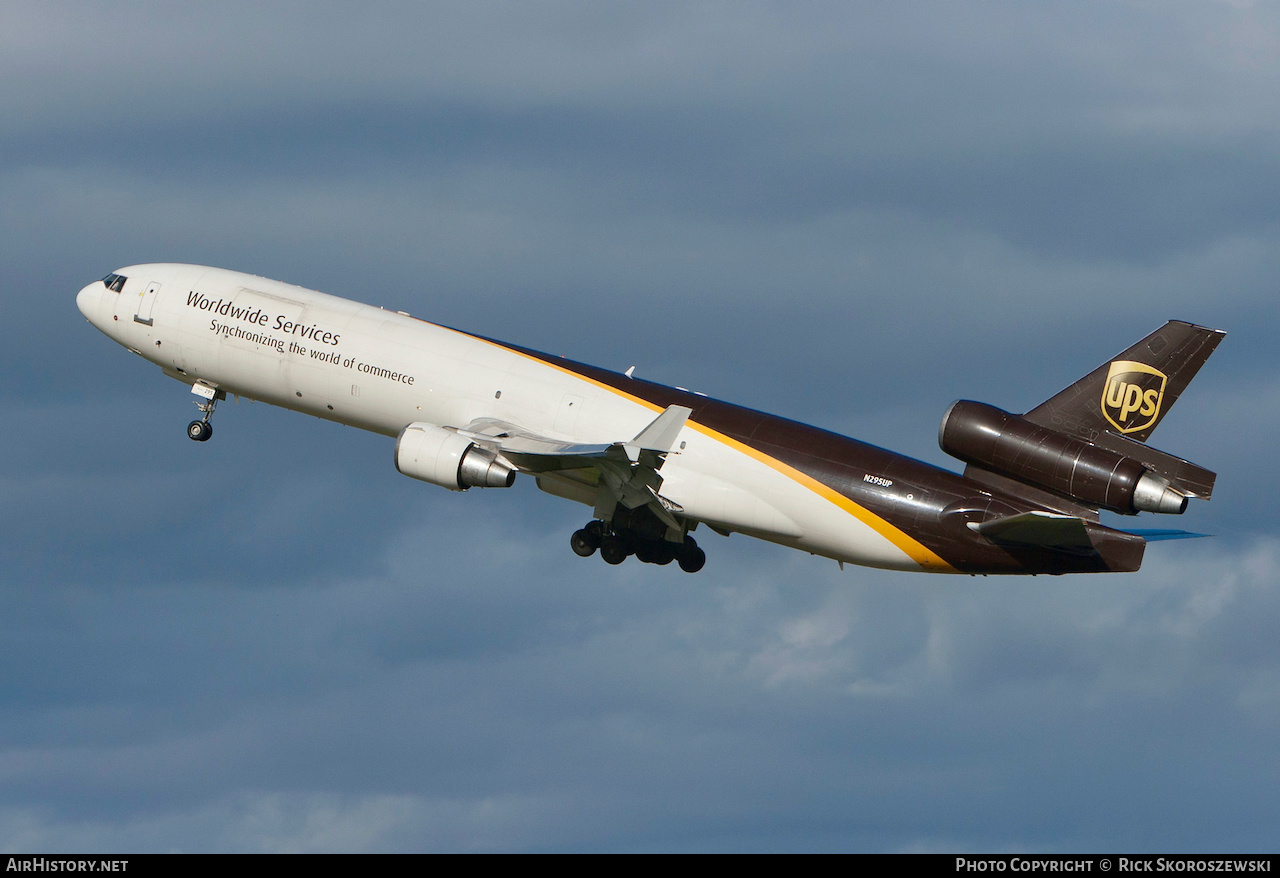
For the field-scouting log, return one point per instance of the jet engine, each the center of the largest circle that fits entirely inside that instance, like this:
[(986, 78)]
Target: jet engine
[(1012, 446), (442, 457)]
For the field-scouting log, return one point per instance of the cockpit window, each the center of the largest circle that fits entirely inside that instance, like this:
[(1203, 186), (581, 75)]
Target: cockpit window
[(115, 282)]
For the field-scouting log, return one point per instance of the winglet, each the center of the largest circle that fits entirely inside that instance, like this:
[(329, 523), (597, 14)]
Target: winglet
[(662, 433)]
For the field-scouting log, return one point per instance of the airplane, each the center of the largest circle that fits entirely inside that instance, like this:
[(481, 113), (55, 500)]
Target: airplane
[(656, 462)]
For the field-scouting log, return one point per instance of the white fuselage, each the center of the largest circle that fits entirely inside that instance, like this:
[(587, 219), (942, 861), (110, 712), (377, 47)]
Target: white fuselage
[(382, 370)]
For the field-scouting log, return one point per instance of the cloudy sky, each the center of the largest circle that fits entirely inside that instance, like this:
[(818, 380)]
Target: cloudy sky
[(850, 214)]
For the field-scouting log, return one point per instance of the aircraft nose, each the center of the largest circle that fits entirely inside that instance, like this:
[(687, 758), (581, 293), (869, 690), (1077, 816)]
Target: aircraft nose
[(93, 305), (87, 299)]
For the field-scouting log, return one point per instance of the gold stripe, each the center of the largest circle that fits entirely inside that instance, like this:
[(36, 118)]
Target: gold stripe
[(924, 556)]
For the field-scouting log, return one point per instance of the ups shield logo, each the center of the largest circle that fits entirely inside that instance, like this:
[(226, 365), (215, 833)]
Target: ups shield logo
[(1132, 395)]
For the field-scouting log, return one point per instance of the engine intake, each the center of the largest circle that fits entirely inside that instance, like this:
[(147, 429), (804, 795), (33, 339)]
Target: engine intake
[(1009, 444), (442, 457)]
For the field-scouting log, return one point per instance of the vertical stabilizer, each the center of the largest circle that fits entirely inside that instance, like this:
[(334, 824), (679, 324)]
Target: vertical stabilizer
[(1129, 394)]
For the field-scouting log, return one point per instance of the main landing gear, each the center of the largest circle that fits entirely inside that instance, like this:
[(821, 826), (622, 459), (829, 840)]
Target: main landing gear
[(616, 544), (200, 430)]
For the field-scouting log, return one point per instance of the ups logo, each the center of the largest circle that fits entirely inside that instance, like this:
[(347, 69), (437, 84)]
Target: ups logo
[(1132, 395)]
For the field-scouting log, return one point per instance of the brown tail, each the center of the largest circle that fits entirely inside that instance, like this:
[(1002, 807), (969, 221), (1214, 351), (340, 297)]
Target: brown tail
[(1130, 394)]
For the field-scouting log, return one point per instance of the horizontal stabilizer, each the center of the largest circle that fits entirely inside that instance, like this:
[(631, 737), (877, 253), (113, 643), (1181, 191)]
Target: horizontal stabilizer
[(1047, 529), (1155, 535), (1065, 536), (1053, 530)]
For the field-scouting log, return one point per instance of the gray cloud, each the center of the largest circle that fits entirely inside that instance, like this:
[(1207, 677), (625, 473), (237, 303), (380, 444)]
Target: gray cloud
[(532, 705)]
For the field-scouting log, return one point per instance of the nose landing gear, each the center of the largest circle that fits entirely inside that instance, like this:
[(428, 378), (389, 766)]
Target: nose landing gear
[(200, 430)]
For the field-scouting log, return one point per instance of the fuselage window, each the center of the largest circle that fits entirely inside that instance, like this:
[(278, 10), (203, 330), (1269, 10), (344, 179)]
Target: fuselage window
[(115, 282)]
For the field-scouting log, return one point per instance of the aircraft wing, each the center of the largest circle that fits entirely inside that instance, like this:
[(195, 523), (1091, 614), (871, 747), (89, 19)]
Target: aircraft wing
[(529, 452), (626, 471)]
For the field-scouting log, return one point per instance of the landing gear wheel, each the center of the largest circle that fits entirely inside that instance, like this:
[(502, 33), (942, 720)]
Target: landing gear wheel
[(206, 401), (691, 558), (614, 549), (582, 543), (693, 561), (595, 529), (647, 552)]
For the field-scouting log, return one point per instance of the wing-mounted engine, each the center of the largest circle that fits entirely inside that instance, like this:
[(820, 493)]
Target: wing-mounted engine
[(1087, 472), (445, 458)]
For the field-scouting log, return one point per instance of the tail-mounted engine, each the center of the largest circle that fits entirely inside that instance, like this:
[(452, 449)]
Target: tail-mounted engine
[(442, 457), (1012, 446)]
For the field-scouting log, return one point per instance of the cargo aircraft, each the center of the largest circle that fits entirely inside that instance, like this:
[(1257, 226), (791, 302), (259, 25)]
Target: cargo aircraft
[(655, 462)]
